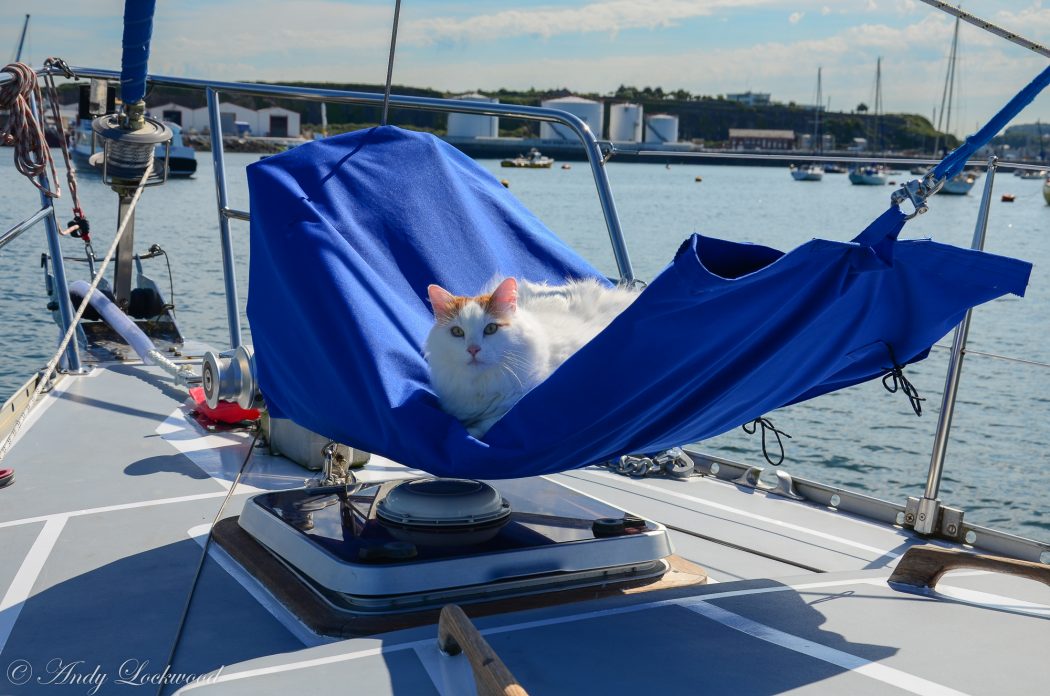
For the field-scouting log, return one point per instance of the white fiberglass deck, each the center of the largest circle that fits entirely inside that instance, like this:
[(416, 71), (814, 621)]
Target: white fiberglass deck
[(102, 532)]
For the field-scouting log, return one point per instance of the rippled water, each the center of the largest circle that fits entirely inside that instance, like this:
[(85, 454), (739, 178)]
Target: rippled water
[(863, 438)]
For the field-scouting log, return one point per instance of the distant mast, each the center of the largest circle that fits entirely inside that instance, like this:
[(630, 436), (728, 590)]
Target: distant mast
[(22, 40), (878, 103), (948, 94), (817, 143), (324, 120)]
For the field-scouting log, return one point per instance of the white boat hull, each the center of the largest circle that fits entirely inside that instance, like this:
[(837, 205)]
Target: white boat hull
[(807, 173), (867, 179)]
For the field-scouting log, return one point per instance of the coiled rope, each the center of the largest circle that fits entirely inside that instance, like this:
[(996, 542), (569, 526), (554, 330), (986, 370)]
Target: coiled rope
[(32, 155), (52, 364)]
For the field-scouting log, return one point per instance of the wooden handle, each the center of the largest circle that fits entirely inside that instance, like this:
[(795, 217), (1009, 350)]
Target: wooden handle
[(457, 634), (923, 566)]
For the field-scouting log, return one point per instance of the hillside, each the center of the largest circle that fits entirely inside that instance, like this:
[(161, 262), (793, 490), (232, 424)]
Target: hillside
[(703, 118)]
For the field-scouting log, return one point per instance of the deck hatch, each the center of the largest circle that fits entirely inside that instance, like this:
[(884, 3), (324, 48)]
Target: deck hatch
[(334, 540)]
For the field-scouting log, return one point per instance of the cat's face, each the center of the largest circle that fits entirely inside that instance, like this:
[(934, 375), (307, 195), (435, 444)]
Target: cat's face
[(475, 333)]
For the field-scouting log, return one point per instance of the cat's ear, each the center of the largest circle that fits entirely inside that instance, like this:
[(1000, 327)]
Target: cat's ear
[(504, 299), (441, 300)]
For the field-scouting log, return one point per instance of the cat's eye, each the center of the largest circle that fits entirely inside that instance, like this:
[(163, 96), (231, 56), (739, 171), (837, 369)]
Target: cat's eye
[(458, 332), (491, 329)]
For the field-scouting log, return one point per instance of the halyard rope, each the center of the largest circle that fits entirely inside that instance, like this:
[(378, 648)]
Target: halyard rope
[(52, 93), (71, 331)]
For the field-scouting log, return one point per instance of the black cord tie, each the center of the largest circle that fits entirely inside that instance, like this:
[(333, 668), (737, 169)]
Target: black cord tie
[(767, 426), (893, 380)]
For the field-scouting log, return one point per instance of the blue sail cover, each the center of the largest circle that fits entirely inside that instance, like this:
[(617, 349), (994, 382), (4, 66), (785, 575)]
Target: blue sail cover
[(347, 232)]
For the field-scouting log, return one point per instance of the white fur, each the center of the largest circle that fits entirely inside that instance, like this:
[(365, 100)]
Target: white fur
[(548, 325)]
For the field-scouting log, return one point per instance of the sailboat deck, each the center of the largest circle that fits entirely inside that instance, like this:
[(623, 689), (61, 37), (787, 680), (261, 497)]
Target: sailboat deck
[(105, 524)]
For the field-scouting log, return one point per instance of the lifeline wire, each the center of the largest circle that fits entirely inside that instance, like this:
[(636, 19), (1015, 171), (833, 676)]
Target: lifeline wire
[(53, 363)]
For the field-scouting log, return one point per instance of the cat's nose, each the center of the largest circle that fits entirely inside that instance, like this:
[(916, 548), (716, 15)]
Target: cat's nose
[(473, 350)]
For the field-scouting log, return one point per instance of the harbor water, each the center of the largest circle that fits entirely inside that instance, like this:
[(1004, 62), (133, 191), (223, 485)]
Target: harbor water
[(862, 438)]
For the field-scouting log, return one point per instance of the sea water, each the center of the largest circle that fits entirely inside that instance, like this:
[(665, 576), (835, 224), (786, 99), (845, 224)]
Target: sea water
[(862, 438)]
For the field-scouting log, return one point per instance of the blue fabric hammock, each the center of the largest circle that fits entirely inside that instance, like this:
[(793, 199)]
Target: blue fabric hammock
[(347, 233)]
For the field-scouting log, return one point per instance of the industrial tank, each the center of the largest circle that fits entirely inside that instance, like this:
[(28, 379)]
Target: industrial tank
[(661, 128), (625, 123), (471, 125), (587, 110)]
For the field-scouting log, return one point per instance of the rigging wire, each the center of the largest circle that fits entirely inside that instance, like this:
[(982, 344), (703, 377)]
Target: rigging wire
[(390, 61)]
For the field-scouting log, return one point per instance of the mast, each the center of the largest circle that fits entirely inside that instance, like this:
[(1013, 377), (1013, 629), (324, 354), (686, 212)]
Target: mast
[(22, 40), (878, 102), (948, 94), (817, 144)]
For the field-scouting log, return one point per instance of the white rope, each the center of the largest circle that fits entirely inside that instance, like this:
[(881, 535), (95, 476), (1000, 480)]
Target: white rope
[(989, 27), (53, 363)]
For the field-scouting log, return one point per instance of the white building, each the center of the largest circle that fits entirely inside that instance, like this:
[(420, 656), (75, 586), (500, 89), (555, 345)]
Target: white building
[(750, 98), (180, 115), (472, 125), (229, 115), (277, 122), (589, 111)]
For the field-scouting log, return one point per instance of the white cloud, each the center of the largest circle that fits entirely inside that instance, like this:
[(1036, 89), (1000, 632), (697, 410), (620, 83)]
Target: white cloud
[(796, 17), (603, 17)]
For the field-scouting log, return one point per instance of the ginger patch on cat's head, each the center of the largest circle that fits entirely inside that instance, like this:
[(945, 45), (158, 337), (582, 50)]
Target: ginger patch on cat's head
[(446, 305), (500, 303)]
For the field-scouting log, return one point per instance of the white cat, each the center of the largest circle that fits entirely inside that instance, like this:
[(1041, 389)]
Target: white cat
[(486, 352)]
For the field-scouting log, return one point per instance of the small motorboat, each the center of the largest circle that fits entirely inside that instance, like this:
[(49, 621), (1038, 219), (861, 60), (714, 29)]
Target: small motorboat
[(533, 160)]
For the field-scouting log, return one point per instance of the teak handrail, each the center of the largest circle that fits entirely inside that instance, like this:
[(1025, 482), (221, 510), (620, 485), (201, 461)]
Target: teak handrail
[(457, 634), (923, 566)]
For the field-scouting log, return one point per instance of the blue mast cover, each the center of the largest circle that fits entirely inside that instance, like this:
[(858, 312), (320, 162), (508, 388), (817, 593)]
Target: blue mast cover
[(134, 59), (347, 232)]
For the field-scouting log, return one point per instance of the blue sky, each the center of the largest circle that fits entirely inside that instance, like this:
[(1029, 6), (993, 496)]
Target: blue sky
[(704, 46)]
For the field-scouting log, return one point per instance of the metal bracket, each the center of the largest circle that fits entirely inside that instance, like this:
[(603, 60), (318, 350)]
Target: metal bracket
[(928, 517), (917, 192)]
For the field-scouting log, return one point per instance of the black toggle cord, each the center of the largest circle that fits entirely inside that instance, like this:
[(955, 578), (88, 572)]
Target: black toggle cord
[(767, 426), (894, 380)]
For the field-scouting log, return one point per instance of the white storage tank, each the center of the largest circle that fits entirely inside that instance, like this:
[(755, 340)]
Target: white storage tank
[(587, 110), (661, 128), (625, 123), (473, 125)]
